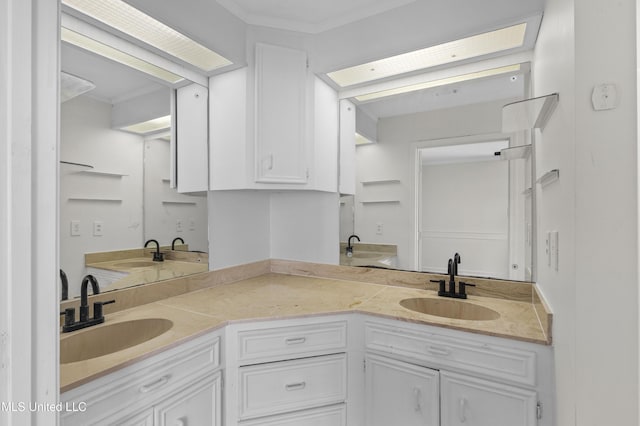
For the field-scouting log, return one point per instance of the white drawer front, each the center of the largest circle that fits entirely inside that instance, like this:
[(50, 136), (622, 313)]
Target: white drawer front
[(113, 393), (290, 342), (284, 386), (334, 415), (467, 355)]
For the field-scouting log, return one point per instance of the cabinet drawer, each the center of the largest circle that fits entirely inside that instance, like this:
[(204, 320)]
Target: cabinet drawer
[(290, 342), (279, 387), (334, 415), (457, 353), (144, 381)]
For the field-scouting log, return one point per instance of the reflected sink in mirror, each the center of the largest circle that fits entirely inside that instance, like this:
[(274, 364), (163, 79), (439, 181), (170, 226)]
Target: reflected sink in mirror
[(107, 339), (136, 264), (447, 308), (366, 255)]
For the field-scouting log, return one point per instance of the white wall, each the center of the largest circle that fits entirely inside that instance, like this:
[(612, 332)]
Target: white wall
[(86, 137), (392, 158), (594, 294), (465, 207), (164, 207), (248, 226)]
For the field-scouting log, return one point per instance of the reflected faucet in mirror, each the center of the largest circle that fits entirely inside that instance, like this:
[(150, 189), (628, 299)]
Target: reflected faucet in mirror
[(173, 243), (157, 256), (65, 285), (349, 246)]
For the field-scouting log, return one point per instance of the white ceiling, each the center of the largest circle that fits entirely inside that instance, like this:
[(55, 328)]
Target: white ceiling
[(307, 16), (335, 33)]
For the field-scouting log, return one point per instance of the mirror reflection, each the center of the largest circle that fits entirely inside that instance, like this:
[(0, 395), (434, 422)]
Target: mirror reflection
[(430, 182), (115, 192)]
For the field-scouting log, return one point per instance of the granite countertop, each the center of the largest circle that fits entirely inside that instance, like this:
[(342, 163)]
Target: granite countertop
[(279, 296), (142, 270)]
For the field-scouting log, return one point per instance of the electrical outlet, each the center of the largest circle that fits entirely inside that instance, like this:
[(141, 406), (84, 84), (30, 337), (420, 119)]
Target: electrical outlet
[(179, 225), (379, 228), (192, 225), (547, 247), (75, 228), (97, 228)]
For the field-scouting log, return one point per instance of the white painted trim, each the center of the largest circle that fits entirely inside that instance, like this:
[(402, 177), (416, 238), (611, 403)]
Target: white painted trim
[(29, 304)]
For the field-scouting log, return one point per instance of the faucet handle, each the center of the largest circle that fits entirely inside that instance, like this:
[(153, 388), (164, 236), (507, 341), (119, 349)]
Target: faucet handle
[(463, 286), (97, 308), (69, 316), (440, 286)]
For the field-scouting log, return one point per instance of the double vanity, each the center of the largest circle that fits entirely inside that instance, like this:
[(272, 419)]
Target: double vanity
[(293, 343)]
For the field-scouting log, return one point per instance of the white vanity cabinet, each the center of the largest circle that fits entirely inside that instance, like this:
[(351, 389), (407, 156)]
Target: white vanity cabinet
[(178, 386), (287, 373), (483, 381), (273, 125), (399, 393)]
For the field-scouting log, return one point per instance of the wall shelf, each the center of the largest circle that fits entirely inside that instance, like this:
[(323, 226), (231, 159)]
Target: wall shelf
[(178, 202), (529, 114), (381, 202), (379, 181), (549, 177), (101, 173), (96, 199)]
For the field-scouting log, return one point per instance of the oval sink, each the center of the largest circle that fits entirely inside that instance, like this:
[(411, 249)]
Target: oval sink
[(449, 308), (136, 264), (103, 340)]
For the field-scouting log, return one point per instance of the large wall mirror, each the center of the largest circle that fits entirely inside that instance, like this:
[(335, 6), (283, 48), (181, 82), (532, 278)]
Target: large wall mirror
[(115, 171), (435, 175)]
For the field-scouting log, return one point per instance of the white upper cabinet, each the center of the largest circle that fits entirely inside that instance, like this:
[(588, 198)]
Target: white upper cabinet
[(274, 126), (280, 115), (189, 151), (347, 147)]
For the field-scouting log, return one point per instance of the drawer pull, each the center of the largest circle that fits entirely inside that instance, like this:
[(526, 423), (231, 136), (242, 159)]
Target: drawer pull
[(434, 350), (462, 404), (155, 384), (295, 340), (295, 386)]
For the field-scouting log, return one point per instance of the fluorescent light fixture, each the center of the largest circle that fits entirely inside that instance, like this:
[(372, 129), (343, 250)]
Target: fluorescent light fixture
[(109, 52), (453, 51), (440, 82), (361, 140), (129, 20), (146, 127)]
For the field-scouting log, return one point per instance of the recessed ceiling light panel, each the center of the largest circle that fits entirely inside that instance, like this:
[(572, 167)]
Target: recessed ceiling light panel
[(151, 126), (453, 51), (129, 20), (116, 55), (439, 82)]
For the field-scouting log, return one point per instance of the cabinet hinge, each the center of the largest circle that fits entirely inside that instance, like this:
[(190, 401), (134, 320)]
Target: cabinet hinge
[(539, 410)]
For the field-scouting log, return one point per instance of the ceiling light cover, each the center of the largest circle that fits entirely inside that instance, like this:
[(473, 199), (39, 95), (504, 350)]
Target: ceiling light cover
[(441, 82), (151, 126), (129, 20), (453, 51), (72, 86), (116, 55)]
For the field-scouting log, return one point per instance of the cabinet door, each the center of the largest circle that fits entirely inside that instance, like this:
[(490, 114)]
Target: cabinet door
[(398, 393), (347, 147), (280, 116), (477, 402), (198, 404), (189, 139)]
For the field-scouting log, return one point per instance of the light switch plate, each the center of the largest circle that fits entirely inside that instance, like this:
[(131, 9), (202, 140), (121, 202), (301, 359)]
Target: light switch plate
[(75, 228), (98, 228)]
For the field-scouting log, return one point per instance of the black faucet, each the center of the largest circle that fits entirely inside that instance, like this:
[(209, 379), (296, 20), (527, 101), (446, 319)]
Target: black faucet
[(84, 321), (173, 243), (65, 285), (349, 246), (157, 256), (452, 271)]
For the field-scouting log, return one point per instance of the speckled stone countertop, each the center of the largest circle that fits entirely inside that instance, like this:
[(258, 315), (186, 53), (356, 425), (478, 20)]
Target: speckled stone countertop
[(272, 295)]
